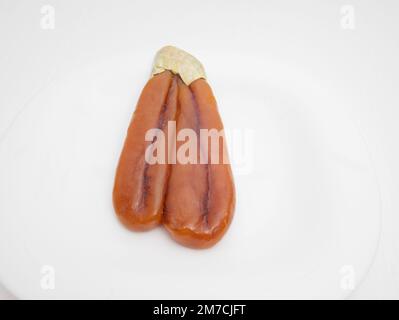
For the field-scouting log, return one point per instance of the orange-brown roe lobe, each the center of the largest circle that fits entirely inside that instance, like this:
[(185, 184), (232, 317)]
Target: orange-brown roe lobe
[(139, 188), (194, 201), (200, 201)]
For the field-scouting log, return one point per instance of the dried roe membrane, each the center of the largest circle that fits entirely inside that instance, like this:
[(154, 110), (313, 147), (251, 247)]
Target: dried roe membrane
[(194, 201)]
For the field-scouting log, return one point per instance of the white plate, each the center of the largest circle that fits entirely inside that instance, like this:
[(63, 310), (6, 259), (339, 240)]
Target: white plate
[(307, 216)]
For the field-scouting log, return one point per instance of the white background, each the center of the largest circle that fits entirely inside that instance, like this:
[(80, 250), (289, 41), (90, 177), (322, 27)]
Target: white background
[(360, 64)]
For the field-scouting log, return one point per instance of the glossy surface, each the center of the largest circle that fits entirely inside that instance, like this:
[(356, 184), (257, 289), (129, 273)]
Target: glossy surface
[(194, 201)]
